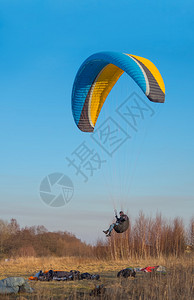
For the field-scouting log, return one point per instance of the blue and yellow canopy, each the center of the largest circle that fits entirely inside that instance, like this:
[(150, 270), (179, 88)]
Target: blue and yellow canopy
[(97, 76)]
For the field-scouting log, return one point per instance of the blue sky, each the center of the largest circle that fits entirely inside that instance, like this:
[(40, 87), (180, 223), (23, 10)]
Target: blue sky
[(42, 45)]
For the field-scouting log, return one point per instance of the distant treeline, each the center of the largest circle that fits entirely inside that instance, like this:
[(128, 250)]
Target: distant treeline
[(150, 237), (38, 241), (146, 237)]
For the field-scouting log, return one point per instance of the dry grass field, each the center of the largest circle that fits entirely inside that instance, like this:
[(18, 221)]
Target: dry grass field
[(176, 284)]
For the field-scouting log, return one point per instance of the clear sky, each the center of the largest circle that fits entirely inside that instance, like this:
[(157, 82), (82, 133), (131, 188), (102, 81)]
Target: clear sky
[(42, 45)]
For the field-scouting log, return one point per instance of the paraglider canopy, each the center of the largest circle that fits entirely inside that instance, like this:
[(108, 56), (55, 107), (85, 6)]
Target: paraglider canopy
[(97, 76)]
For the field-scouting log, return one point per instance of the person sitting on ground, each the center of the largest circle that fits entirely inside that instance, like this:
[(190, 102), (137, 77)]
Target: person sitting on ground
[(123, 218)]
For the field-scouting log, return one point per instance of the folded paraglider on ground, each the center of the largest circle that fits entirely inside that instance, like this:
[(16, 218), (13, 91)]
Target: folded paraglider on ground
[(14, 285), (63, 275), (131, 272)]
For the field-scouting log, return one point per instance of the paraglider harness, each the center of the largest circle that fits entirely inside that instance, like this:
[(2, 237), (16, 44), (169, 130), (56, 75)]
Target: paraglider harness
[(122, 223)]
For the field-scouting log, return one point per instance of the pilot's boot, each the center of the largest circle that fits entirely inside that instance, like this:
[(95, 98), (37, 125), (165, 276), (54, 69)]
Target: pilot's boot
[(105, 231)]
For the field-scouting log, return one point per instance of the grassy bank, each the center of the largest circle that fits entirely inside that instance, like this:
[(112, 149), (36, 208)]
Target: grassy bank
[(176, 284)]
